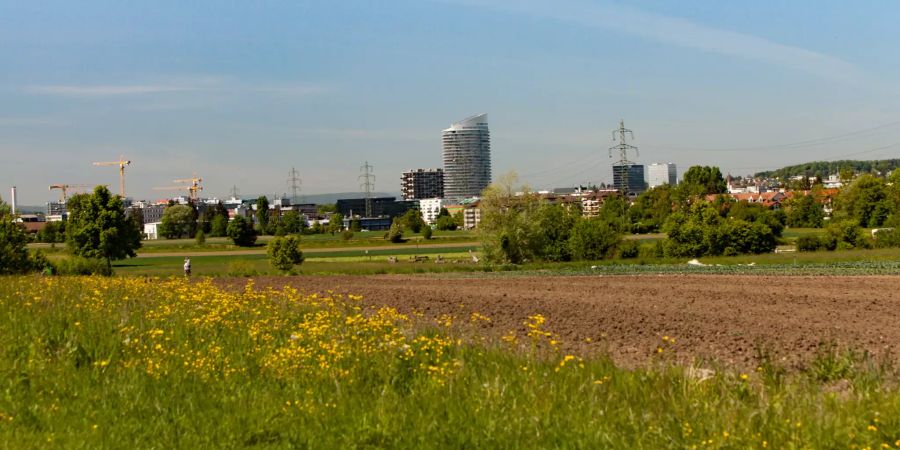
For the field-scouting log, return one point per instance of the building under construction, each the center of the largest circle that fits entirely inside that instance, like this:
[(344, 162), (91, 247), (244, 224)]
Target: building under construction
[(422, 183)]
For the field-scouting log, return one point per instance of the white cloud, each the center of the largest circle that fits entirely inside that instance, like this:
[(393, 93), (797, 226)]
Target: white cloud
[(679, 32)]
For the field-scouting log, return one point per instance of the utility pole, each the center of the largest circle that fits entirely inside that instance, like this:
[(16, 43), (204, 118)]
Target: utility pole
[(293, 182), (367, 184), (622, 147)]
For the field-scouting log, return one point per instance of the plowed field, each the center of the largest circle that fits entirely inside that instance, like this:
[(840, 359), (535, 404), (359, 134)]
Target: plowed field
[(720, 318)]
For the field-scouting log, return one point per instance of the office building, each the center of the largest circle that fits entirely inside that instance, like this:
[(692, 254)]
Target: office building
[(467, 157), (632, 176), (381, 206), (422, 183), (661, 173)]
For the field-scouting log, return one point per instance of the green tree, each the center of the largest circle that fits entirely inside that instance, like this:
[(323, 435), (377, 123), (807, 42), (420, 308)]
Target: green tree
[(593, 239), (804, 211), (291, 222), (614, 211), (98, 228), (445, 223), (459, 219), (355, 225), (426, 232), (218, 226), (868, 201), (13, 244), (262, 214), (52, 232), (412, 220), (702, 231), (557, 222), (651, 209), (241, 232), (395, 234), (704, 180), (755, 212), (335, 223), (178, 221), (200, 237), (509, 230), (284, 252)]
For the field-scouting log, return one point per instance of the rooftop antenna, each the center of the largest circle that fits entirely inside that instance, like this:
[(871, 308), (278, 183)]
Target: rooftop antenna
[(623, 164), (368, 185)]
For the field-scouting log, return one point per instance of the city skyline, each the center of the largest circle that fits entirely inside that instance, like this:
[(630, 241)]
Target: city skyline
[(236, 93)]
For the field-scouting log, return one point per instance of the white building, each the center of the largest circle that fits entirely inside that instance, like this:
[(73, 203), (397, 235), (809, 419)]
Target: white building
[(467, 157), (150, 230), (661, 173), (430, 208)]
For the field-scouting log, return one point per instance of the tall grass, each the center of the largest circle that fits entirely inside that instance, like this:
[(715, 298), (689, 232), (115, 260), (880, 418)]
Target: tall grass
[(138, 362)]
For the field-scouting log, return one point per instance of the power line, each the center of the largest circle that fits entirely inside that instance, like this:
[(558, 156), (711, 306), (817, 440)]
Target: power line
[(798, 144)]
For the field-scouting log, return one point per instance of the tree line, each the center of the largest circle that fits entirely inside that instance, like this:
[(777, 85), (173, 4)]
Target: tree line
[(695, 215)]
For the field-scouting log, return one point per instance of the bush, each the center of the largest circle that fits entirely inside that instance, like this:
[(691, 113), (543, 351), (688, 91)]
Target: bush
[(395, 234), (426, 232), (845, 235), (240, 230), (284, 252), (887, 237), (445, 223), (77, 265), (593, 239), (628, 249), (200, 237), (347, 235), (809, 244)]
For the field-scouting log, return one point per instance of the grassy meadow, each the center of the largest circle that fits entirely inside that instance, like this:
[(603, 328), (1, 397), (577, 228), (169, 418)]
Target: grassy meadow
[(142, 362), (137, 362)]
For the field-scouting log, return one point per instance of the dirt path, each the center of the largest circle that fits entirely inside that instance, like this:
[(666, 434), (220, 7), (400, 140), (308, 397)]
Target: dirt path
[(262, 251), (722, 317)]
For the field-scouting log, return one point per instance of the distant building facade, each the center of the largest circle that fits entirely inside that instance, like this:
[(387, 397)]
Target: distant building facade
[(422, 183), (661, 173), (431, 208), (631, 175), (56, 208), (381, 206), (467, 157)]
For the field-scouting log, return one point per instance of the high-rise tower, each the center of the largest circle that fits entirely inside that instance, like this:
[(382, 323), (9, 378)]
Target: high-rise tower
[(467, 157)]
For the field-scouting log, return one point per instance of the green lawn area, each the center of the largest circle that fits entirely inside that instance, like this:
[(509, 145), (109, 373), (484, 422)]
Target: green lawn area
[(336, 262)]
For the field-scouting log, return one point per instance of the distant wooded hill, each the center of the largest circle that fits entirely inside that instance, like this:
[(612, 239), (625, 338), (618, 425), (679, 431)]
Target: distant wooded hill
[(825, 168)]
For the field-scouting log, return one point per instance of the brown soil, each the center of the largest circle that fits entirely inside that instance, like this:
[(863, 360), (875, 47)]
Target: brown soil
[(718, 318)]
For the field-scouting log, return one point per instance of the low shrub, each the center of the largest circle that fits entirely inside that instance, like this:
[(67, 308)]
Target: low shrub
[(628, 249), (77, 265), (809, 244)]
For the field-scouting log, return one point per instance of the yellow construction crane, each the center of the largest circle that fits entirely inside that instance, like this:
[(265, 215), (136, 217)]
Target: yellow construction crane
[(64, 189), (193, 188), (122, 162)]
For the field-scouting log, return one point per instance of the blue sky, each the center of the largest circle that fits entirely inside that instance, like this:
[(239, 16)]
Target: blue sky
[(239, 92)]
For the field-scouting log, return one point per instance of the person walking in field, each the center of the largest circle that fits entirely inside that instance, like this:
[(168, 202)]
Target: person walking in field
[(187, 267)]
